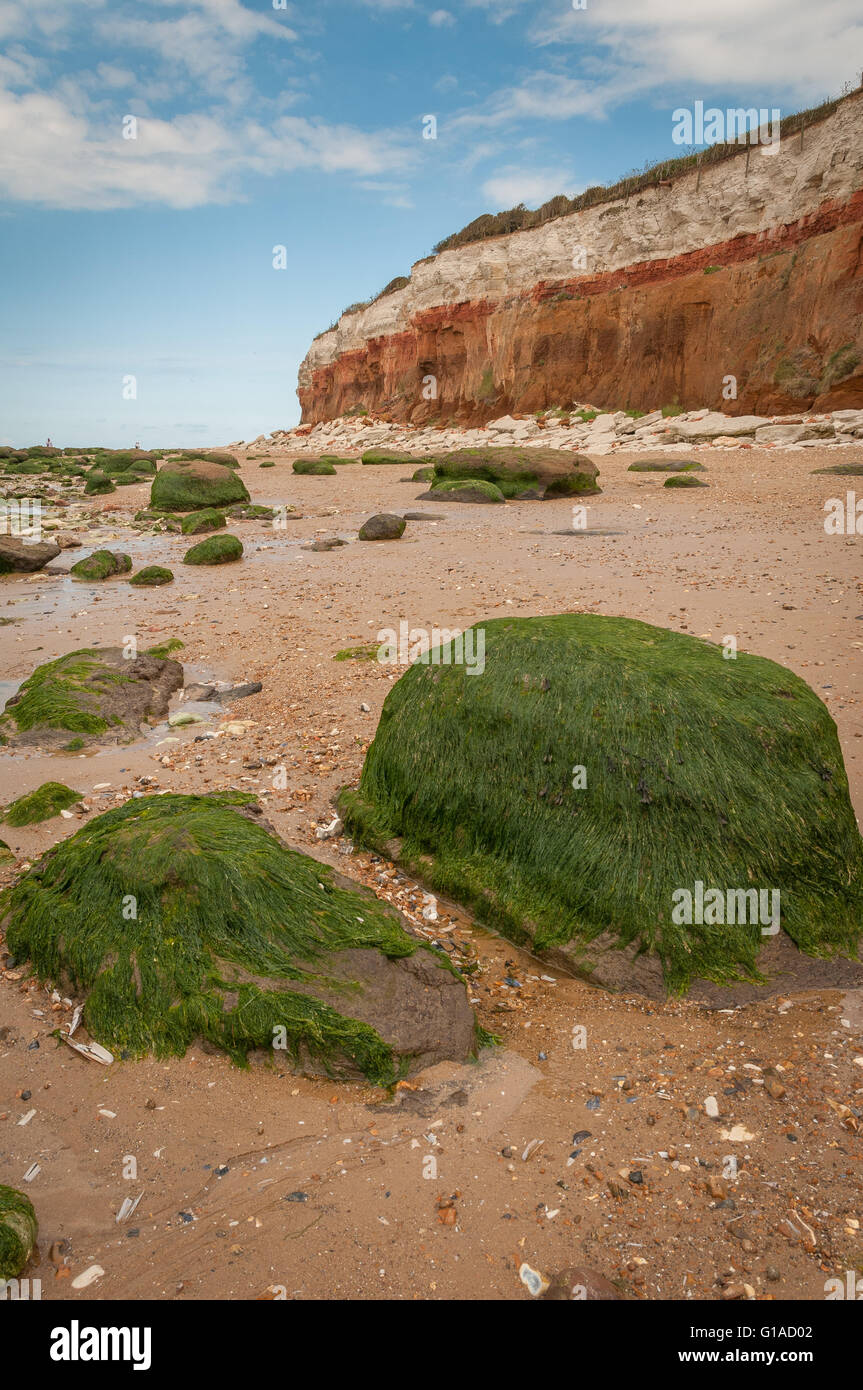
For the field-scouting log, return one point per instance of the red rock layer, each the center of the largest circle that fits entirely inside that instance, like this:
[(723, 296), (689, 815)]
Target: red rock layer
[(783, 314)]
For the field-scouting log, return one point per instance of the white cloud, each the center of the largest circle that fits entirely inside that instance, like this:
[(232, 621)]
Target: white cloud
[(510, 187), (58, 156), (806, 49), (441, 19), (541, 96)]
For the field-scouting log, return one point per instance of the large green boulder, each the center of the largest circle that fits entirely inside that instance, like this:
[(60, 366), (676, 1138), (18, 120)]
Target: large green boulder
[(567, 778), (228, 935), (188, 485), (102, 694), (529, 472), (18, 1231)]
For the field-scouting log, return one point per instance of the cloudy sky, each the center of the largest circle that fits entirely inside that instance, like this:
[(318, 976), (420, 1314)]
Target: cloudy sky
[(144, 247)]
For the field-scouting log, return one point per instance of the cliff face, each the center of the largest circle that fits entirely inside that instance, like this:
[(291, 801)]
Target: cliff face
[(752, 268)]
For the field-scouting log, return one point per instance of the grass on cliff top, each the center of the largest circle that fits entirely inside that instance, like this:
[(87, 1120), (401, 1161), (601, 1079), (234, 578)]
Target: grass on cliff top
[(225, 919), (50, 697), (47, 801), (19, 1230), (728, 772)]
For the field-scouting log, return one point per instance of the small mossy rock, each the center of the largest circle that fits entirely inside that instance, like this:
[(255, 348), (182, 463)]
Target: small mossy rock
[(373, 456), (97, 485), (125, 458), (152, 576), (215, 550), (422, 475), (207, 520), (93, 692), (684, 480), (212, 456), (462, 490), (666, 466), (316, 466), (252, 512), (551, 472), (44, 803), (237, 940), (18, 554), (19, 1230), (382, 527), (336, 460), (187, 485), (842, 470), (727, 774), (102, 564)]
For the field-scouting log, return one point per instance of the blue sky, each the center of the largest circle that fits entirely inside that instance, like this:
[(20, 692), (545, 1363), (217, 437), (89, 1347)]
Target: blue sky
[(261, 124)]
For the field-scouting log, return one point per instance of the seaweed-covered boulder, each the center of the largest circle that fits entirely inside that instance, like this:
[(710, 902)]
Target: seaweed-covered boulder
[(210, 456), (215, 550), (588, 769), (235, 939), (94, 692), (462, 490), (16, 553), (207, 520), (152, 576), (530, 472), (187, 485), (102, 564), (18, 1231), (42, 804), (97, 484), (372, 456), (382, 527), (315, 466), (684, 480)]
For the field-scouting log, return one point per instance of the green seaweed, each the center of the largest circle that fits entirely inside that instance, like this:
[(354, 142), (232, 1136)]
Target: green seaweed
[(225, 919), (50, 697), (215, 550), (19, 1230), (152, 576), (727, 772), (44, 803), (207, 520)]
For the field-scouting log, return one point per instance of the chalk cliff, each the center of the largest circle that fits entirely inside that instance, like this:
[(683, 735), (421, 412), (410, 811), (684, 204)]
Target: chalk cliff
[(750, 268)]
